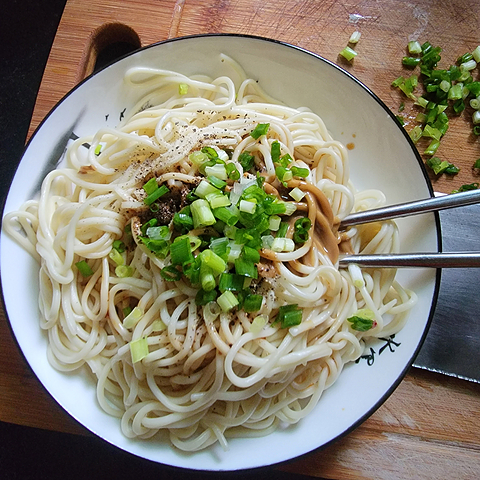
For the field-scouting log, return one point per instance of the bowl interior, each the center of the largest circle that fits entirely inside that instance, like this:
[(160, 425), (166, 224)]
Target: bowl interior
[(382, 158)]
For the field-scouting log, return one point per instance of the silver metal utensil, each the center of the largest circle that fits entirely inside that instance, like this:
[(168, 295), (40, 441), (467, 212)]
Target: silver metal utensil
[(412, 208), (399, 260)]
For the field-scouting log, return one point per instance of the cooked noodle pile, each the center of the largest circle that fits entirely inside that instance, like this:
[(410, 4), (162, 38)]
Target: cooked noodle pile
[(110, 286)]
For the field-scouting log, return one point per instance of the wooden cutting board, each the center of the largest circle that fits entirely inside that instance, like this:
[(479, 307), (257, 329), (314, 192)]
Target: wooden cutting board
[(429, 427)]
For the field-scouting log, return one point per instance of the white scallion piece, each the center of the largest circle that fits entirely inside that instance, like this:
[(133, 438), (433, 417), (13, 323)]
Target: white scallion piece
[(355, 37), (297, 194), (258, 323), (133, 318), (139, 349)]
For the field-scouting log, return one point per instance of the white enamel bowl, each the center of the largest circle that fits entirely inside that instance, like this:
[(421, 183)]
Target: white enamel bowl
[(383, 158)]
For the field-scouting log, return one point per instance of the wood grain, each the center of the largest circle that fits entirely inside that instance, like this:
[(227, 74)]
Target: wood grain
[(429, 427)]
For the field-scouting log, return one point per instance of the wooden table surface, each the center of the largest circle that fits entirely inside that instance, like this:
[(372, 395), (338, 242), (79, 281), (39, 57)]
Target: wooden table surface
[(430, 426)]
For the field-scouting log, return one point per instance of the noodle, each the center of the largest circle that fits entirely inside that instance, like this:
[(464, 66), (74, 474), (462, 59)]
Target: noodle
[(209, 373)]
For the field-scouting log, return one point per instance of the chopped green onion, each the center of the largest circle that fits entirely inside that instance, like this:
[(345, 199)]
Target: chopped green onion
[(421, 101), (98, 149), (459, 106), (274, 223), (282, 244), (455, 92), (201, 213), (232, 172), (416, 133), (431, 132), (213, 261), (398, 81), (469, 65), (297, 194), (228, 215), (476, 117), (283, 174), (124, 271), (300, 172), (151, 223), (466, 188), (133, 318), (116, 256), (475, 103), (251, 254), (290, 208), (259, 130), (227, 301), (207, 279), (257, 324), (158, 326), (211, 153), (217, 170), (217, 201), (139, 349), (275, 151), (159, 192), (217, 182), (354, 37), (203, 297), (432, 147), (247, 206), (282, 230), (411, 61), (150, 186), (246, 160), (220, 246), (245, 268), (205, 188), (182, 219), (252, 303), (181, 252), (414, 47), (230, 281), (362, 321), (476, 54), (182, 88), (198, 158), (170, 273), (158, 233), (289, 316), (84, 268), (119, 246), (348, 53)]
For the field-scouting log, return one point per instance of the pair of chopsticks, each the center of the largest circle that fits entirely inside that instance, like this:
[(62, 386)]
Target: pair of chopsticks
[(397, 260)]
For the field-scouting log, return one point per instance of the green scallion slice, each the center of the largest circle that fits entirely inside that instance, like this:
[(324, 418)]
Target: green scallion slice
[(252, 303), (348, 53), (203, 297), (181, 252), (133, 317), (124, 271), (159, 192), (227, 301), (84, 268), (201, 214), (139, 349), (230, 281), (289, 316), (259, 130), (170, 273)]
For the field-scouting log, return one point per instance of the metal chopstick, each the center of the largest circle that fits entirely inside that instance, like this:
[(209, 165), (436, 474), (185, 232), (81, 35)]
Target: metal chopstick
[(412, 208), (399, 260)]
